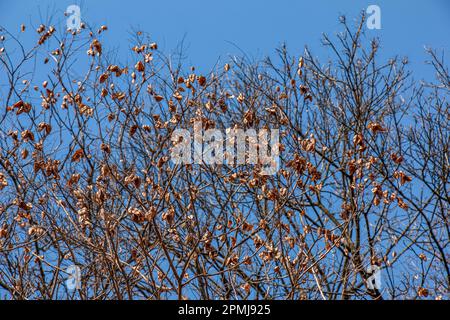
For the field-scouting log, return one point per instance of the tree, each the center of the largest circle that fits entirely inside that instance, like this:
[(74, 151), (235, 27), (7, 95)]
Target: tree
[(86, 176)]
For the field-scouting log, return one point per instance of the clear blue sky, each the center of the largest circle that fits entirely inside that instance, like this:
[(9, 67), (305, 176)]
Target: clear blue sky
[(216, 29)]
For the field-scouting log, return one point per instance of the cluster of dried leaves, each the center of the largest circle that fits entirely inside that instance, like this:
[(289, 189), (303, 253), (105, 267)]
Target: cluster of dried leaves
[(86, 177)]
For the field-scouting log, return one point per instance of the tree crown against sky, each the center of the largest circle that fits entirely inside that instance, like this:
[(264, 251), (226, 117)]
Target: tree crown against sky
[(86, 177)]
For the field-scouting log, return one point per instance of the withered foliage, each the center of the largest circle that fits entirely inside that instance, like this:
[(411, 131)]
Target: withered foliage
[(86, 177)]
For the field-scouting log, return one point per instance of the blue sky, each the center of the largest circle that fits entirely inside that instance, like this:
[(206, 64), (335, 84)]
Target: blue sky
[(217, 29)]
